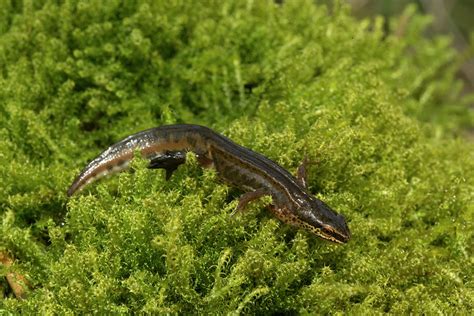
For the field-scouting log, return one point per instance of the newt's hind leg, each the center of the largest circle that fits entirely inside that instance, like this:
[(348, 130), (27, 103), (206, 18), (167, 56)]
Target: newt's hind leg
[(169, 161)]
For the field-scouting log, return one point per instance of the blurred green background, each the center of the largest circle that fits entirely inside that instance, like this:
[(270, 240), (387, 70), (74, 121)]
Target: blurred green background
[(450, 17)]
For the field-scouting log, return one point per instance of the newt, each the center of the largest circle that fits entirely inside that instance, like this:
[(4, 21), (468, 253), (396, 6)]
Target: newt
[(165, 147)]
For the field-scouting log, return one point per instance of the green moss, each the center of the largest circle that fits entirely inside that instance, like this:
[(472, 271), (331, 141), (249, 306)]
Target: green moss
[(377, 112)]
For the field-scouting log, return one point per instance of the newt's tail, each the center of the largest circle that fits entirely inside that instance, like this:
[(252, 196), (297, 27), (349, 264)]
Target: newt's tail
[(164, 146)]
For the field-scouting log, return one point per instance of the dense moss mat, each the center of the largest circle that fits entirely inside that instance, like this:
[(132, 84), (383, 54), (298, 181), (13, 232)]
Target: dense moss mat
[(374, 104)]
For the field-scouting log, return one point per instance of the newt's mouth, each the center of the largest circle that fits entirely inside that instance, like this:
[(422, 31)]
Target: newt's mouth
[(338, 236)]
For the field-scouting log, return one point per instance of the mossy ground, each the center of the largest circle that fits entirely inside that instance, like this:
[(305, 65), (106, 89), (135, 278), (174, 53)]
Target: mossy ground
[(375, 105)]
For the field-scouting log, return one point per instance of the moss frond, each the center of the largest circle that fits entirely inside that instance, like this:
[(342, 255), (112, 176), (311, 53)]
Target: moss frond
[(375, 105)]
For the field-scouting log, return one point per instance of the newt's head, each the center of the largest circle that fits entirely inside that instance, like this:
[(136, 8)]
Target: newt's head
[(317, 217)]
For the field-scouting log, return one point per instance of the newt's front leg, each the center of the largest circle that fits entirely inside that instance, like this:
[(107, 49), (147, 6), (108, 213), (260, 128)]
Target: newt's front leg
[(248, 197), (301, 172)]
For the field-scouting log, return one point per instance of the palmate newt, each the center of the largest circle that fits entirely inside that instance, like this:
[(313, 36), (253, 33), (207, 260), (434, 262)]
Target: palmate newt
[(166, 147)]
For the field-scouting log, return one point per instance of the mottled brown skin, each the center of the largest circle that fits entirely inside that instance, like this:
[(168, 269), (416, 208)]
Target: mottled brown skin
[(252, 172)]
